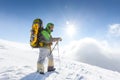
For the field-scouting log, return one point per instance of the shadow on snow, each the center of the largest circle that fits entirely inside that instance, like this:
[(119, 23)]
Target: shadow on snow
[(37, 76)]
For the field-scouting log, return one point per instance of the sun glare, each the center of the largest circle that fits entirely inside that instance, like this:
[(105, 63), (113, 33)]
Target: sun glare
[(70, 29)]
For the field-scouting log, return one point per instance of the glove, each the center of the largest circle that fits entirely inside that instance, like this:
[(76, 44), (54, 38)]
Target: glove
[(57, 39), (60, 39)]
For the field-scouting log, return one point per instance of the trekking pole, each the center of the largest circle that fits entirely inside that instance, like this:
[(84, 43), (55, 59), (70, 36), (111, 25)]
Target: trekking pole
[(59, 56), (53, 47)]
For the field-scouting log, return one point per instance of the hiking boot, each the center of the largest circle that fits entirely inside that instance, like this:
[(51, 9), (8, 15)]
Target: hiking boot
[(51, 69), (40, 72)]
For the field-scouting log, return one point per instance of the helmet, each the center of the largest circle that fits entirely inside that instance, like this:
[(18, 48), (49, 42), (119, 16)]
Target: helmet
[(48, 27)]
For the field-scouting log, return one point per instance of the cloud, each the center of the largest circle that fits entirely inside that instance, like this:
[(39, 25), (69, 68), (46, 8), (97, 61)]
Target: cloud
[(114, 30), (94, 52)]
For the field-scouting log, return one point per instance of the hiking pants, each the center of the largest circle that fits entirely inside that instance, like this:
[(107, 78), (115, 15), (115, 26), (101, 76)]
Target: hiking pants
[(43, 53)]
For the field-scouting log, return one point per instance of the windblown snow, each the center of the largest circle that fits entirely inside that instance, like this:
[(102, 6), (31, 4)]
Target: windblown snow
[(18, 62)]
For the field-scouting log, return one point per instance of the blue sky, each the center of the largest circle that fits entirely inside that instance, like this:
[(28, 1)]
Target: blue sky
[(90, 18)]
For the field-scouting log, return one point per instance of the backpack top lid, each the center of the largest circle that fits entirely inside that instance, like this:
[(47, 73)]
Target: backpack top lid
[(38, 21)]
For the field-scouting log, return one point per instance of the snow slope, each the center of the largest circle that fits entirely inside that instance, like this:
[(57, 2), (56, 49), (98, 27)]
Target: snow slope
[(18, 62)]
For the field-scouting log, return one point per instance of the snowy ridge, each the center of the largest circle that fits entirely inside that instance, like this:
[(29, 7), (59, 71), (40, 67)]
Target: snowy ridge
[(19, 63)]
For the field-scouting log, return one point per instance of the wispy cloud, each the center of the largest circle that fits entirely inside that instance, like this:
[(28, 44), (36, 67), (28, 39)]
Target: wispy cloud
[(114, 30), (95, 52)]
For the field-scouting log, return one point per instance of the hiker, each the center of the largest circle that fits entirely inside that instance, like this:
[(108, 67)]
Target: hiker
[(45, 51)]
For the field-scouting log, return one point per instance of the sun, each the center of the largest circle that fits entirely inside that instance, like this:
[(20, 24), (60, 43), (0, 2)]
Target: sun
[(70, 29)]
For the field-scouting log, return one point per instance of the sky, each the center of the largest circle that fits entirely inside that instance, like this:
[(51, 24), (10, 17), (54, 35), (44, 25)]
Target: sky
[(90, 18), (95, 23)]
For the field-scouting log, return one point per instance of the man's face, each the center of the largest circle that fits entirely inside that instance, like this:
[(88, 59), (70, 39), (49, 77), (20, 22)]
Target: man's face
[(51, 28)]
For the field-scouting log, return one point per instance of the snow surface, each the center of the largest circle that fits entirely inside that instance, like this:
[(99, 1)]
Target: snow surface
[(18, 62)]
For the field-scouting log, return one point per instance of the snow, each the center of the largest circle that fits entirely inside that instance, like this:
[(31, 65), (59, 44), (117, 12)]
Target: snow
[(18, 62)]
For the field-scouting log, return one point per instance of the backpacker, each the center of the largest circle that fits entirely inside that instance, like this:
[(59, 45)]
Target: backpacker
[(37, 27)]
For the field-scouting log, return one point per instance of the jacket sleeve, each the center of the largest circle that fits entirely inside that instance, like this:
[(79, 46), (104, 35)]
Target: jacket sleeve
[(45, 37), (54, 39)]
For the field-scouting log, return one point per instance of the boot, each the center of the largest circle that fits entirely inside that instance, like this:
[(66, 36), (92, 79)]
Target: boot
[(51, 68), (40, 72)]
